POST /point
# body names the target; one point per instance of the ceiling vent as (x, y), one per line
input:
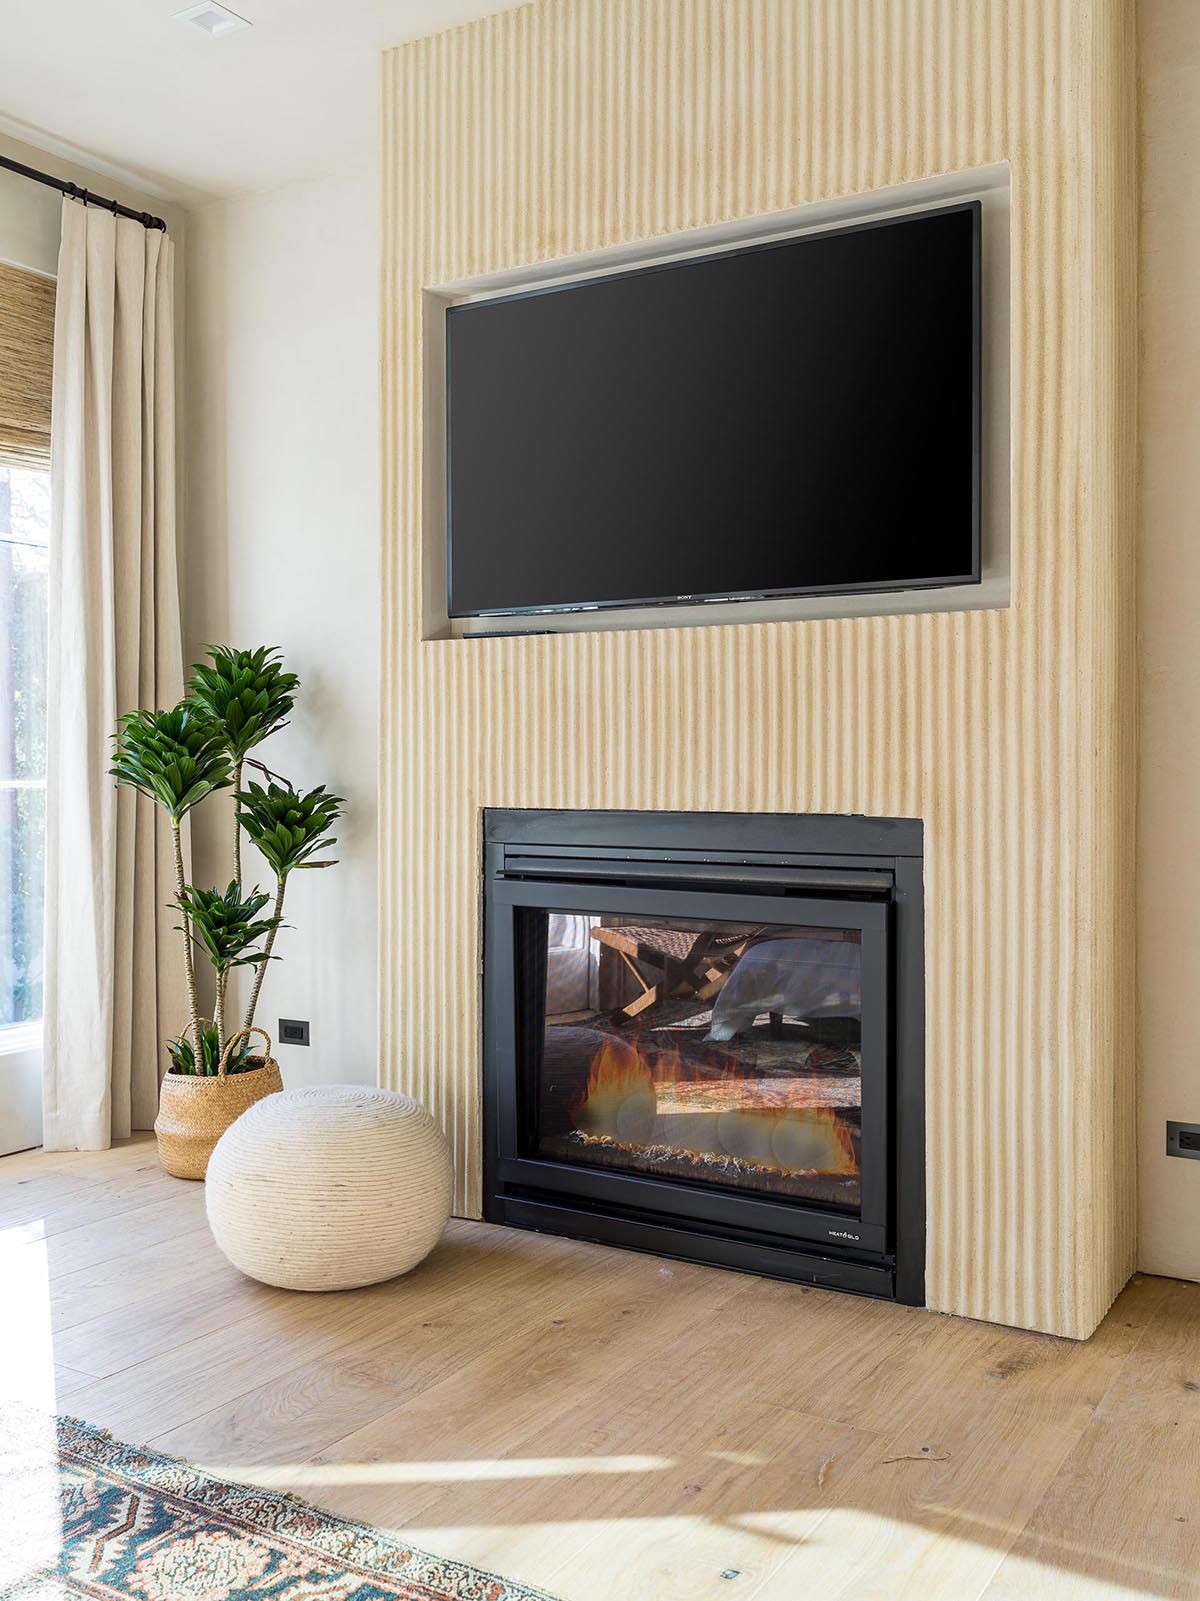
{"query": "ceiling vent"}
(212, 19)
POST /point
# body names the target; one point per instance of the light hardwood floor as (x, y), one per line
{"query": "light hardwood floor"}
(616, 1426)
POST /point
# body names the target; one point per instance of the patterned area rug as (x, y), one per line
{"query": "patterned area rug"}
(83, 1515)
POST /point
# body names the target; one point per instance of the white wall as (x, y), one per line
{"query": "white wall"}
(282, 547)
(1169, 633)
(29, 223)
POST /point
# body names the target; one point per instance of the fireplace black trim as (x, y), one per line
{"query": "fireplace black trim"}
(741, 1252)
(876, 864)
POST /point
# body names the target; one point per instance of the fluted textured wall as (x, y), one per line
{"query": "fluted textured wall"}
(567, 125)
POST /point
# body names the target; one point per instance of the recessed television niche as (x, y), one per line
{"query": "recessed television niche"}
(796, 417)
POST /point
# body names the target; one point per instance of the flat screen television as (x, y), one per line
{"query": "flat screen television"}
(799, 417)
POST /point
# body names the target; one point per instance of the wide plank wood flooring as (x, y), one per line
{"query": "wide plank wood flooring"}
(615, 1427)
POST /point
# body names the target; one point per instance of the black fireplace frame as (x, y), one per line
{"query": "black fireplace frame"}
(844, 870)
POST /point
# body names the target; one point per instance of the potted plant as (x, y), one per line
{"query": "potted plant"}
(178, 758)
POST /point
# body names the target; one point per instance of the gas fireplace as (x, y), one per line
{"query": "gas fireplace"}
(703, 1037)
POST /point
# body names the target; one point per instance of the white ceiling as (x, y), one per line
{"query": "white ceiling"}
(126, 82)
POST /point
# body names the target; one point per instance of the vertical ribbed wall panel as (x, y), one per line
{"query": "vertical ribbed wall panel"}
(568, 125)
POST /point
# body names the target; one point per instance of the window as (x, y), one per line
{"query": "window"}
(24, 538)
(26, 368)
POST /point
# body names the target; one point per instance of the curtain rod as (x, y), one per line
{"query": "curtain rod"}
(88, 196)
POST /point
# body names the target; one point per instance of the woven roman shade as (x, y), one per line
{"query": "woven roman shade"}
(26, 365)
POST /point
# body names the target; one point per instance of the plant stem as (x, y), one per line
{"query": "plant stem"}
(281, 885)
(237, 824)
(188, 968)
(219, 1010)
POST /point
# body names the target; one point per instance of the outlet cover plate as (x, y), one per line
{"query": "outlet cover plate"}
(293, 1031)
(1183, 1139)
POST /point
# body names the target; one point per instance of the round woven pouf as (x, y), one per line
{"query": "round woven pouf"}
(329, 1187)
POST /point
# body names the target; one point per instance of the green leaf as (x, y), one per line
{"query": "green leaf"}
(225, 926)
(174, 757)
(183, 1058)
(287, 825)
(246, 693)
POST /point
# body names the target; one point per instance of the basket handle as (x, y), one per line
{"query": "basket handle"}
(241, 1034)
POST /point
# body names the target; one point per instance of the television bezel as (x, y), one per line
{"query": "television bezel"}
(709, 598)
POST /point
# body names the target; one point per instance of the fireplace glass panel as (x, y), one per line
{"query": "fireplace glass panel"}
(714, 1053)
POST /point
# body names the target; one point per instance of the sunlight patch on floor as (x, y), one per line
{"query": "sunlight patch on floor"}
(697, 1555)
(1052, 1581)
(29, 1510)
(773, 1555)
(27, 1340)
(462, 1471)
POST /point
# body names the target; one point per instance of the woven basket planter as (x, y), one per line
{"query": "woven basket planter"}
(194, 1111)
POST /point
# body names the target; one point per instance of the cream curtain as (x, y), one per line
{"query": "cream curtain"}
(113, 988)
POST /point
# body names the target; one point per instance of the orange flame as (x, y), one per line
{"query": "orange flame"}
(628, 1089)
(621, 1100)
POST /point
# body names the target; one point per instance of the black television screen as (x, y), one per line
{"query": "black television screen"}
(789, 418)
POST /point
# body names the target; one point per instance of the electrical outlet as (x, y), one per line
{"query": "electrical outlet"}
(1183, 1139)
(292, 1031)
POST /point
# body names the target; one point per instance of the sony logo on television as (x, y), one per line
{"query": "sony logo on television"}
(842, 1234)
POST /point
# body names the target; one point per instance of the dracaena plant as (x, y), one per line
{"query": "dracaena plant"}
(229, 930)
(289, 826)
(183, 1056)
(248, 695)
(177, 758)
